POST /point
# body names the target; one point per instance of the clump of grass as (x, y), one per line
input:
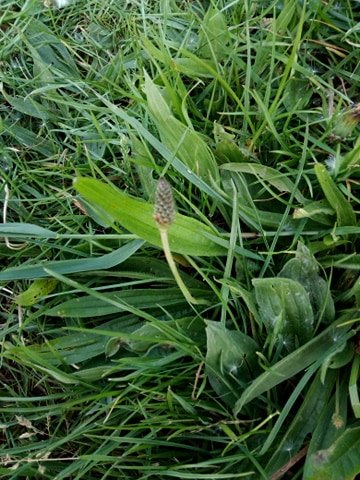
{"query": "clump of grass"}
(111, 366)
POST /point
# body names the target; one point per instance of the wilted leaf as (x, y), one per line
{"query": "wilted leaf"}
(37, 290)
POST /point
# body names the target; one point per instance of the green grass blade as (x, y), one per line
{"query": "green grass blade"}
(268, 174)
(21, 230)
(344, 212)
(88, 306)
(102, 262)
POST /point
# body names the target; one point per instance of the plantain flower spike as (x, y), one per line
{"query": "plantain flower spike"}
(164, 204)
(164, 216)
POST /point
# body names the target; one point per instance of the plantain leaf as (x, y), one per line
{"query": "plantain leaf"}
(319, 211)
(311, 407)
(183, 140)
(195, 67)
(231, 360)
(341, 260)
(214, 36)
(28, 106)
(186, 235)
(339, 461)
(305, 270)
(285, 309)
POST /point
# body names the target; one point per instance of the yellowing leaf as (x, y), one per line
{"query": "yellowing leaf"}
(37, 290)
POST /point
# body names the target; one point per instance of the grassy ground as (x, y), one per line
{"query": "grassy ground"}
(248, 109)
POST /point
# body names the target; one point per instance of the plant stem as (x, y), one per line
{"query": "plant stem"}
(165, 243)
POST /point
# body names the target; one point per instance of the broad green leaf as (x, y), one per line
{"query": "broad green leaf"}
(165, 152)
(102, 262)
(305, 270)
(257, 218)
(99, 372)
(279, 25)
(85, 344)
(89, 306)
(331, 420)
(227, 149)
(249, 211)
(112, 346)
(316, 349)
(344, 212)
(186, 144)
(340, 461)
(37, 290)
(297, 94)
(231, 360)
(180, 400)
(270, 175)
(285, 309)
(73, 348)
(284, 18)
(247, 297)
(28, 106)
(194, 67)
(82, 345)
(51, 50)
(186, 235)
(214, 36)
(337, 359)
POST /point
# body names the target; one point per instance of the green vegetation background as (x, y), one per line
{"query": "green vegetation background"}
(249, 110)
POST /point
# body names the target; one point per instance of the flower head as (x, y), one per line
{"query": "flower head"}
(164, 203)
